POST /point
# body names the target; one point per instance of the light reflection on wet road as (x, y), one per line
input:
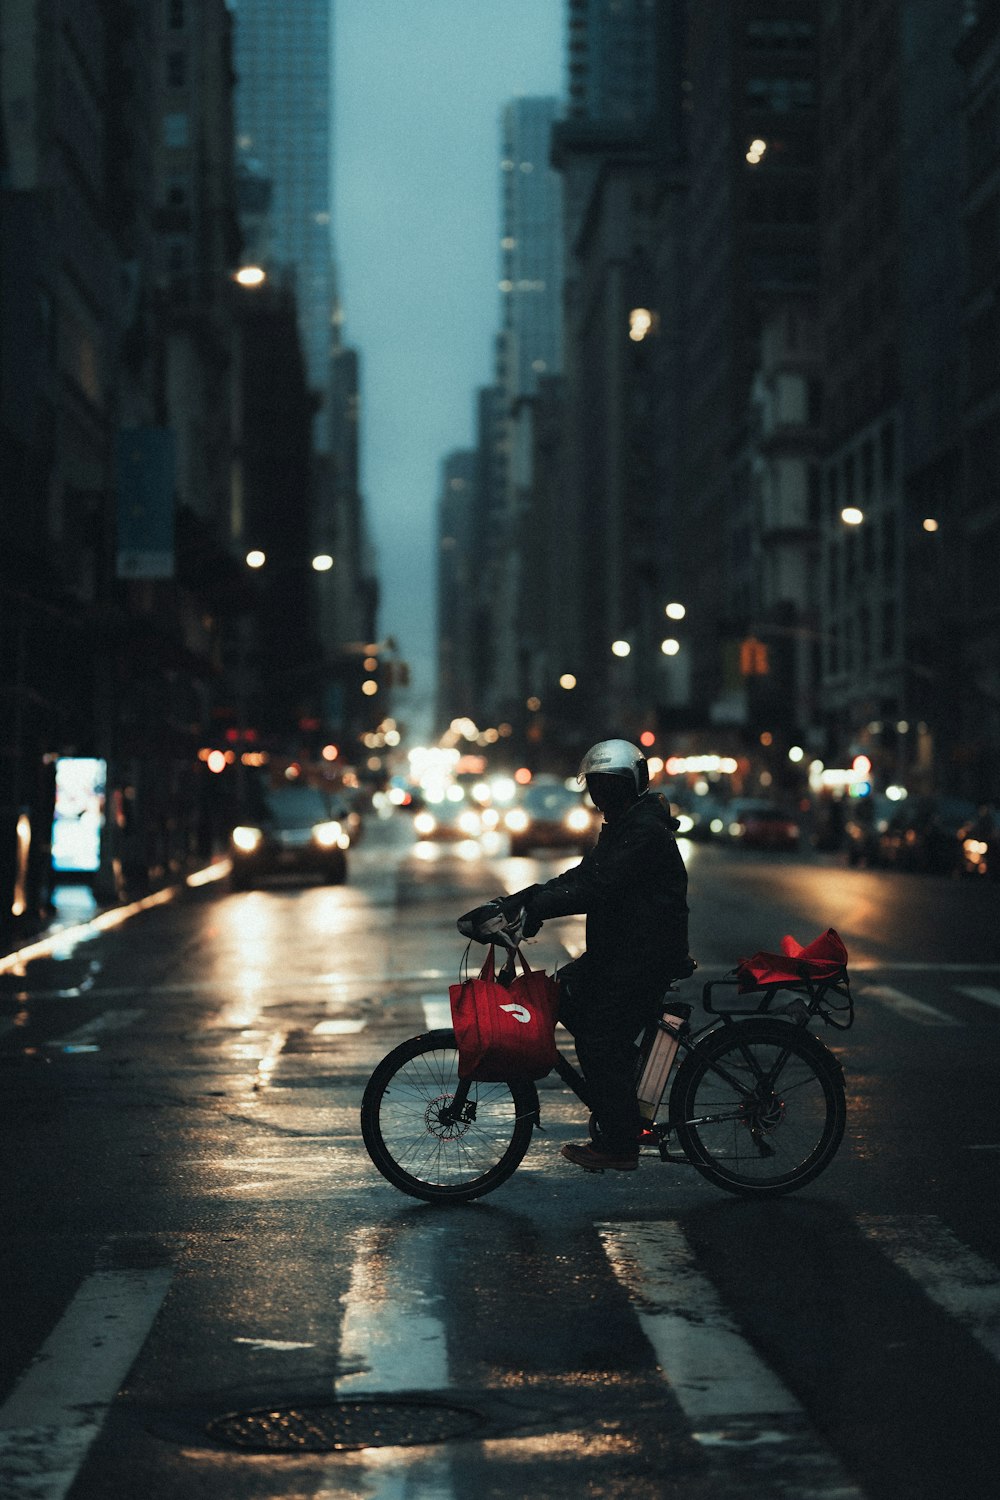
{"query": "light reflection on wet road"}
(181, 1093)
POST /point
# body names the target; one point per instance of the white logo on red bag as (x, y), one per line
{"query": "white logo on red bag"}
(519, 1012)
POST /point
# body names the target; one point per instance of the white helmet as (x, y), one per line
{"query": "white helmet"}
(615, 758)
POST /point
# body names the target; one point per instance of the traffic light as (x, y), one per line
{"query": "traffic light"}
(753, 658)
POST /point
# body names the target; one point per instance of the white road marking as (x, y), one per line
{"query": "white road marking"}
(982, 992)
(392, 1335)
(108, 1021)
(731, 1396)
(391, 1331)
(339, 1028)
(437, 1012)
(281, 1345)
(965, 1284)
(58, 1407)
(906, 1006)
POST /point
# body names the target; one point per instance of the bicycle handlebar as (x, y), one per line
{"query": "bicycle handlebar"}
(489, 924)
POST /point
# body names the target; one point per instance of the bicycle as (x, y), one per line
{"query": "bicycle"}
(757, 1102)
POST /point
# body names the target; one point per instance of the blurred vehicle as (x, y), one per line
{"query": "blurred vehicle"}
(448, 821)
(292, 828)
(756, 824)
(550, 815)
(700, 818)
(865, 820)
(923, 834)
(979, 842)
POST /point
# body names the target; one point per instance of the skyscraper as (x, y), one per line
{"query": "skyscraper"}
(284, 68)
(531, 246)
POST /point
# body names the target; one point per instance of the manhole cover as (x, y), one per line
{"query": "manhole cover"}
(325, 1427)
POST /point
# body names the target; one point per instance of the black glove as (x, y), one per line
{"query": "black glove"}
(532, 923)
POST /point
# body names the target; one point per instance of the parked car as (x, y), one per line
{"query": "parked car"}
(550, 815)
(923, 834)
(292, 828)
(756, 824)
(979, 842)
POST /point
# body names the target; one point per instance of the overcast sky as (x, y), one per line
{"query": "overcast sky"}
(418, 87)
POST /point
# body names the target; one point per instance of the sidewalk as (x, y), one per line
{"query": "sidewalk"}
(76, 912)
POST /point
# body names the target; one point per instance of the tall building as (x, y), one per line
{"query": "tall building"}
(284, 69)
(979, 714)
(531, 247)
(891, 299)
(604, 152)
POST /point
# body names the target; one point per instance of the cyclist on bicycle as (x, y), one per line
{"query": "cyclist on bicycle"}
(633, 888)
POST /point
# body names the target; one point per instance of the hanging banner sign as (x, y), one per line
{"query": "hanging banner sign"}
(145, 503)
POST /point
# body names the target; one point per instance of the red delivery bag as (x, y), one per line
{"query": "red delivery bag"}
(825, 958)
(505, 1031)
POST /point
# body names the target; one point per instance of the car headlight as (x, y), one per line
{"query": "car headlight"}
(246, 840)
(578, 819)
(685, 823)
(425, 823)
(327, 835)
(517, 821)
(469, 823)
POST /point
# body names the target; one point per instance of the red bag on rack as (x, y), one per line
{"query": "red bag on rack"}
(824, 958)
(505, 1031)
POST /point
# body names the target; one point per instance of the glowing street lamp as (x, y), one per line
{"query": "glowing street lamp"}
(256, 558)
(851, 516)
(675, 611)
(621, 648)
(250, 276)
(323, 563)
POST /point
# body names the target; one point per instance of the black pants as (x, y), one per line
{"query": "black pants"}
(605, 1017)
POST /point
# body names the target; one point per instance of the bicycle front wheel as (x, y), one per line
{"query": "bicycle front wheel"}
(759, 1107)
(420, 1147)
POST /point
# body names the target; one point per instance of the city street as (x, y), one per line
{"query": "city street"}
(200, 1259)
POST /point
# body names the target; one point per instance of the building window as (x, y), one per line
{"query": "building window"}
(889, 629)
(176, 70)
(782, 95)
(867, 471)
(175, 131)
(888, 444)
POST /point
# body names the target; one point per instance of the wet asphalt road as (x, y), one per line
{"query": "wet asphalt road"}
(191, 1228)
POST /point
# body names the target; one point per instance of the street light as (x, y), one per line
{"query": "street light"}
(621, 648)
(851, 516)
(256, 558)
(675, 611)
(250, 276)
(670, 647)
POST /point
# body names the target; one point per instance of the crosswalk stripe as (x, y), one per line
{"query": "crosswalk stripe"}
(56, 1410)
(107, 1021)
(982, 992)
(907, 1006)
(958, 1280)
(437, 1012)
(344, 1027)
(730, 1395)
(392, 1339)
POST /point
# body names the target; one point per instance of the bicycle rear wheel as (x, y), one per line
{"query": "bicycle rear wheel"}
(759, 1107)
(418, 1148)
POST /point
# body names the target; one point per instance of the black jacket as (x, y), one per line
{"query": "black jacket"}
(633, 888)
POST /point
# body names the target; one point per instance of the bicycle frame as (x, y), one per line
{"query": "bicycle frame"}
(811, 999)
